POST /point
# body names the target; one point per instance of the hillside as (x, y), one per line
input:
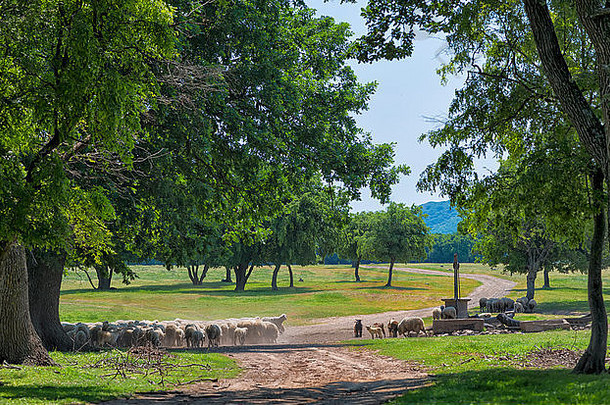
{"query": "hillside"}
(441, 217)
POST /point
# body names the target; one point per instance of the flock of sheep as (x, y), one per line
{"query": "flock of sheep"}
(415, 324)
(176, 333)
(194, 334)
(403, 328)
(504, 304)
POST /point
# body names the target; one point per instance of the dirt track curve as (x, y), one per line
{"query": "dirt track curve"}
(308, 365)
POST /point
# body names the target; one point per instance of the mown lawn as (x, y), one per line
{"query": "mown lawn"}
(100, 376)
(325, 291)
(493, 369)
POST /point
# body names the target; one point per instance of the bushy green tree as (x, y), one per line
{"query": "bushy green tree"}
(397, 234)
(532, 65)
(353, 239)
(75, 80)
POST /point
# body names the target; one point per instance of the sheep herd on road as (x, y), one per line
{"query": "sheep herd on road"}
(176, 333)
(395, 328)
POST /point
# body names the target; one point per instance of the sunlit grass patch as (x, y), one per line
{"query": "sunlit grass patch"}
(324, 291)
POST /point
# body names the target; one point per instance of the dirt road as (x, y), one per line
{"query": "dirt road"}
(309, 366)
(340, 328)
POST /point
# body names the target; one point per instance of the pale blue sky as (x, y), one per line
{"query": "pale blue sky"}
(408, 95)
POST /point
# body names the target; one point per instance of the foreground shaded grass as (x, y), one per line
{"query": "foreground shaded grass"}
(483, 370)
(510, 386)
(76, 381)
(325, 291)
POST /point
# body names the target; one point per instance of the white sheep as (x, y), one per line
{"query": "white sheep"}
(436, 313)
(277, 320)
(172, 335)
(408, 325)
(270, 332)
(239, 335)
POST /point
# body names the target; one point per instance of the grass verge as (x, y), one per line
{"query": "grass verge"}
(498, 369)
(101, 376)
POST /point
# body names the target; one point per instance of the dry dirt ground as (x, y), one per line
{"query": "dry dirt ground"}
(308, 365)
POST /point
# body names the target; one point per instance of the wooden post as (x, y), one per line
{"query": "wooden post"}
(456, 277)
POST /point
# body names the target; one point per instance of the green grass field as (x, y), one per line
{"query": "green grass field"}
(465, 370)
(324, 292)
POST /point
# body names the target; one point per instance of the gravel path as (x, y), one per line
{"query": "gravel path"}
(309, 366)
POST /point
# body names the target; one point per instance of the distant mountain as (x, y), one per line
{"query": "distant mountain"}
(441, 217)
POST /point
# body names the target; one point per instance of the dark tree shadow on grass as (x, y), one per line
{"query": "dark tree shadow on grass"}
(214, 289)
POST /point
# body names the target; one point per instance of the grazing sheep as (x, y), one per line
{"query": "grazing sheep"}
(277, 320)
(518, 308)
(415, 324)
(507, 304)
(483, 304)
(523, 301)
(493, 305)
(358, 328)
(380, 326)
(374, 331)
(213, 333)
(129, 337)
(239, 335)
(197, 339)
(107, 338)
(227, 330)
(270, 332)
(80, 339)
(172, 335)
(531, 304)
(153, 337)
(393, 328)
(189, 334)
(449, 313)
(436, 313)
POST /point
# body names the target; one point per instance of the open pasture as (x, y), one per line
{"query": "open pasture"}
(324, 292)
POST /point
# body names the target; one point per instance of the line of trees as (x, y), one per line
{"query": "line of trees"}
(536, 94)
(135, 127)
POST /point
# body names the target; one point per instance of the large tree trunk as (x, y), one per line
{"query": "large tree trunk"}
(45, 272)
(547, 281)
(356, 269)
(227, 278)
(291, 276)
(589, 128)
(19, 343)
(531, 282)
(276, 270)
(242, 273)
(104, 276)
(389, 283)
(593, 360)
